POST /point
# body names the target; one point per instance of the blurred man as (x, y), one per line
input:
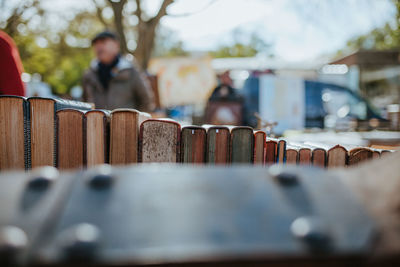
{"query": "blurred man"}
(10, 67)
(112, 81)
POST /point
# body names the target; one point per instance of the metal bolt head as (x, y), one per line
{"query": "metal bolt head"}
(12, 241)
(43, 177)
(101, 177)
(284, 177)
(312, 232)
(80, 242)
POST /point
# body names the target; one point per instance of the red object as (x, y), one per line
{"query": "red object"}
(10, 67)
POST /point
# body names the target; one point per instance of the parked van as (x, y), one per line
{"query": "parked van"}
(297, 104)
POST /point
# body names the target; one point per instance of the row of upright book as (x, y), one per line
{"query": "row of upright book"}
(67, 134)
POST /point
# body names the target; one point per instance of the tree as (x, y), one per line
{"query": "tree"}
(384, 38)
(145, 29)
(240, 48)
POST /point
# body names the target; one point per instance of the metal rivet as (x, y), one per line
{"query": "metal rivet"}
(43, 177)
(282, 176)
(102, 177)
(12, 240)
(312, 232)
(80, 241)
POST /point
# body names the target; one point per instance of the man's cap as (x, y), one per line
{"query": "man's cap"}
(104, 35)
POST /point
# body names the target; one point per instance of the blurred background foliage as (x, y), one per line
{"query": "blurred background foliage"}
(61, 53)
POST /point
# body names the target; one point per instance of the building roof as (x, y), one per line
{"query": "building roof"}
(371, 58)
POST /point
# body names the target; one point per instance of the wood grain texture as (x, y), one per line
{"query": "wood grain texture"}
(124, 136)
(242, 145)
(70, 139)
(259, 147)
(218, 139)
(96, 137)
(319, 157)
(42, 114)
(337, 157)
(193, 144)
(12, 148)
(159, 141)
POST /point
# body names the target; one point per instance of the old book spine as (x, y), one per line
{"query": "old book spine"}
(281, 152)
(27, 135)
(106, 123)
(270, 151)
(337, 157)
(159, 141)
(259, 147)
(124, 136)
(357, 155)
(319, 157)
(242, 145)
(193, 144)
(218, 142)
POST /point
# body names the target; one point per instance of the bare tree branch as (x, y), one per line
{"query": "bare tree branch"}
(99, 13)
(161, 12)
(138, 11)
(210, 3)
(118, 7)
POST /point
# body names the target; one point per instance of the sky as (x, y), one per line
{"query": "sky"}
(297, 29)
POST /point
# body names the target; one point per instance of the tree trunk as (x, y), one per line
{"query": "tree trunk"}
(145, 44)
(118, 22)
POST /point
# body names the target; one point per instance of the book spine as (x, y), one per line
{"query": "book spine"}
(281, 157)
(106, 127)
(27, 135)
(84, 141)
(55, 143)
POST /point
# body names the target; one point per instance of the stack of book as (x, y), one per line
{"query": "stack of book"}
(69, 135)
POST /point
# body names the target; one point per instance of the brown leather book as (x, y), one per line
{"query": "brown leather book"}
(42, 113)
(359, 154)
(319, 157)
(259, 147)
(13, 133)
(159, 141)
(337, 157)
(242, 144)
(305, 156)
(270, 151)
(218, 140)
(124, 135)
(281, 152)
(70, 125)
(97, 137)
(292, 154)
(193, 144)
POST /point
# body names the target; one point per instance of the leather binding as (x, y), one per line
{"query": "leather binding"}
(242, 145)
(319, 157)
(27, 135)
(259, 147)
(193, 144)
(281, 149)
(218, 142)
(270, 151)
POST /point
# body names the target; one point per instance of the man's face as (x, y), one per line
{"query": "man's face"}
(106, 50)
